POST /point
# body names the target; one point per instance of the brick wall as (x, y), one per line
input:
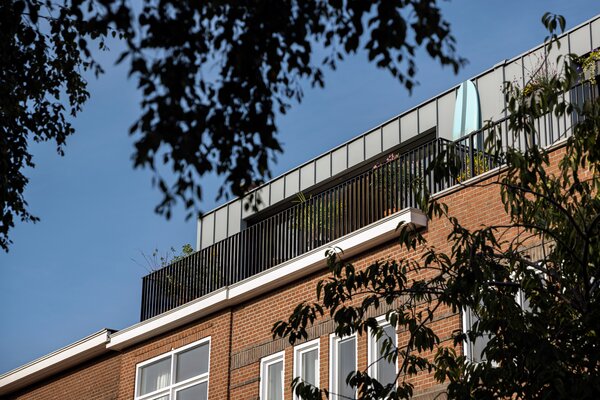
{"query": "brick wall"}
(96, 379)
(252, 338)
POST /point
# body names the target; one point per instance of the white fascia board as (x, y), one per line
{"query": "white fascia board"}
(59, 360)
(351, 244)
(169, 320)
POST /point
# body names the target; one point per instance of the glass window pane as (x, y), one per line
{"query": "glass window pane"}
(155, 376)
(192, 362)
(476, 348)
(524, 302)
(275, 381)
(308, 370)
(196, 392)
(346, 365)
(386, 370)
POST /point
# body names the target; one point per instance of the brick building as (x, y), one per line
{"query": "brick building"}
(206, 320)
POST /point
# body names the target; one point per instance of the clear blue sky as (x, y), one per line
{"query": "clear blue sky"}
(79, 269)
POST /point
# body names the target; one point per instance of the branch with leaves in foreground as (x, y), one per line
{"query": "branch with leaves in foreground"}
(214, 76)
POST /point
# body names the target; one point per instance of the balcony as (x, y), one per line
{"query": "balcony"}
(310, 222)
(313, 221)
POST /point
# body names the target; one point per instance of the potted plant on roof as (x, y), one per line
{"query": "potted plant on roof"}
(385, 176)
(394, 180)
(315, 218)
(481, 164)
(589, 65)
(539, 81)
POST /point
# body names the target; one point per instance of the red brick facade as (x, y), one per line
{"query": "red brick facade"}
(241, 336)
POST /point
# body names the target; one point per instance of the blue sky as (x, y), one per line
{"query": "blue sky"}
(79, 269)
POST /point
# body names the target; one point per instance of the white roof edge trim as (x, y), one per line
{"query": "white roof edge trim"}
(65, 357)
(351, 244)
(405, 112)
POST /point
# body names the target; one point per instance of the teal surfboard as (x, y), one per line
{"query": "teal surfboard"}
(467, 113)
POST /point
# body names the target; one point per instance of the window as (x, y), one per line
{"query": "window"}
(271, 377)
(342, 364)
(179, 375)
(306, 363)
(381, 368)
(473, 349)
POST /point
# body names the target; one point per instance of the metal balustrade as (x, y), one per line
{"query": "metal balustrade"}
(313, 221)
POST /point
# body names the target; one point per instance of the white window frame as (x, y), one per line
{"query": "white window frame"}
(303, 348)
(372, 351)
(334, 340)
(173, 386)
(467, 345)
(264, 364)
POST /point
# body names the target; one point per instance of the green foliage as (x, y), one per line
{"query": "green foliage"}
(395, 178)
(44, 50)
(547, 350)
(481, 164)
(158, 260)
(213, 74)
(186, 250)
(388, 177)
(227, 124)
(315, 214)
(588, 65)
(539, 80)
(177, 291)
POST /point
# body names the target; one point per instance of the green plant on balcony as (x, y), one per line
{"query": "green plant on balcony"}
(386, 179)
(207, 270)
(158, 260)
(394, 179)
(480, 165)
(317, 217)
(174, 289)
(588, 65)
(539, 81)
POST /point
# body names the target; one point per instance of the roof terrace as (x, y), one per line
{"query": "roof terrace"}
(356, 184)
